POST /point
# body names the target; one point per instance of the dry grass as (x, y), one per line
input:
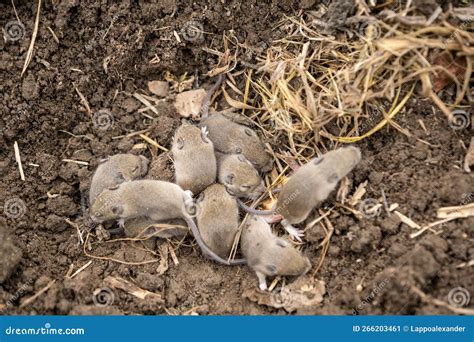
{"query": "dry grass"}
(314, 90)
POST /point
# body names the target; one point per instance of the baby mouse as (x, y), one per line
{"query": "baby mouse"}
(217, 219)
(238, 175)
(310, 185)
(230, 137)
(194, 159)
(269, 255)
(114, 170)
(156, 200)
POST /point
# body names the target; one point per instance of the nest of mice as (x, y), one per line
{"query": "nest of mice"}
(218, 161)
(302, 100)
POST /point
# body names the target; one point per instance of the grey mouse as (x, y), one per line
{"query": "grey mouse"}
(238, 175)
(156, 200)
(230, 137)
(269, 255)
(114, 170)
(309, 186)
(217, 219)
(194, 159)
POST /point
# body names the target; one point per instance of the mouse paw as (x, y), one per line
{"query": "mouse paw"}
(262, 281)
(121, 222)
(204, 131)
(295, 233)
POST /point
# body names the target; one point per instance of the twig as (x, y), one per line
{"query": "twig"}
(83, 101)
(80, 269)
(35, 296)
(18, 160)
(29, 54)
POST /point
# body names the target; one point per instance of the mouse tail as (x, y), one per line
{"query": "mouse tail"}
(253, 211)
(206, 103)
(205, 248)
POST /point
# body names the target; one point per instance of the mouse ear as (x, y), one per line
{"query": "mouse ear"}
(271, 269)
(144, 162)
(333, 178)
(117, 209)
(201, 197)
(119, 177)
(229, 178)
(229, 191)
(241, 157)
(318, 160)
(180, 143)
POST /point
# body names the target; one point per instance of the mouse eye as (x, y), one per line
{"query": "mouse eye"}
(180, 143)
(256, 172)
(318, 160)
(238, 150)
(135, 169)
(229, 179)
(248, 131)
(245, 188)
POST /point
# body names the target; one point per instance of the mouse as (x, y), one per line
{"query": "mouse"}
(238, 175)
(309, 186)
(194, 159)
(230, 137)
(154, 199)
(268, 255)
(116, 169)
(217, 219)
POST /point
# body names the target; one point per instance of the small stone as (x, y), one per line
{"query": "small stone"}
(189, 103)
(10, 255)
(159, 88)
(29, 88)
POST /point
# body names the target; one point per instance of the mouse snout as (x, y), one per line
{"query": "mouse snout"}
(307, 265)
(268, 166)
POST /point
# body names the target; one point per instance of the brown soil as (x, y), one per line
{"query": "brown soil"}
(43, 113)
